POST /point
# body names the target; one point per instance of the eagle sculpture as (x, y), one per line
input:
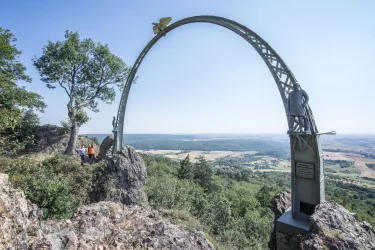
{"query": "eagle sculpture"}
(161, 25)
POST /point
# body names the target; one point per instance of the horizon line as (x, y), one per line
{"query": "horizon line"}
(225, 133)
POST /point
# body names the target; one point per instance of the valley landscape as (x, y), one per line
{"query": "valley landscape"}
(346, 157)
(64, 80)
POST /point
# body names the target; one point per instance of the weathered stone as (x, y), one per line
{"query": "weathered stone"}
(279, 205)
(123, 179)
(103, 225)
(331, 227)
(53, 139)
(105, 146)
(334, 227)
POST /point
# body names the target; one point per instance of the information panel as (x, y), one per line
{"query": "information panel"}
(305, 170)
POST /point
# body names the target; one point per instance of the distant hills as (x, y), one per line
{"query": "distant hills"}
(204, 142)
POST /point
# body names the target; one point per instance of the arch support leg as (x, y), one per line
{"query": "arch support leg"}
(307, 176)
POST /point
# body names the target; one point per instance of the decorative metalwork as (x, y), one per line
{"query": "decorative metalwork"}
(282, 75)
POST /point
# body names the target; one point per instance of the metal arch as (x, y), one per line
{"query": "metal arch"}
(282, 75)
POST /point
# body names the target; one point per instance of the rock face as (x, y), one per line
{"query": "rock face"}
(279, 205)
(122, 180)
(334, 227)
(105, 146)
(331, 227)
(52, 139)
(108, 225)
(18, 217)
(103, 225)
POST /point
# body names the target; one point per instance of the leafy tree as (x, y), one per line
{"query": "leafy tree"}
(86, 71)
(246, 174)
(186, 169)
(11, 70)
(264, 196)
(17, 119)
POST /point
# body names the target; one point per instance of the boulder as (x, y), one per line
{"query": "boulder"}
(54, 139)
(106, 145)
(122, 180)
(331, 227)
(18, 217)
(334, 227)
(280, 203)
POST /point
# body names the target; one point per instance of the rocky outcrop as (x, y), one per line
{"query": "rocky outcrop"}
(122, 180)
(108, 225)
(18, 217)
(103, 225)
(106, 145)
(334, 227)
(51, 139)
(331, 227)
(279, 205)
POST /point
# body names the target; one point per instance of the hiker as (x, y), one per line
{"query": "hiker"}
(81, 152)
(91, 152)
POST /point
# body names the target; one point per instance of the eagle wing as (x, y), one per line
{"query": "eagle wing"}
(155, 29)
(164, 22)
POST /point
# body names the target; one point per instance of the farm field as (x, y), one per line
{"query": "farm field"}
(345, 156)
(209, 155)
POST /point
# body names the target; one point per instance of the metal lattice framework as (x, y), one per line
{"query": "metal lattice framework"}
(283, 76)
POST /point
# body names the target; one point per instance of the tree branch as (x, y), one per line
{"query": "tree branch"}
(66, 90)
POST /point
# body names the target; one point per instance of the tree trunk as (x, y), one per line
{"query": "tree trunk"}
(72, 111)
(72, 140)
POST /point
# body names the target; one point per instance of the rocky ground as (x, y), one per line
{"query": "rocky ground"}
(119, 222)
(332, 227)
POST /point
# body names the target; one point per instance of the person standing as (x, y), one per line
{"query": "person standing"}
(81, 152)
(91, 152)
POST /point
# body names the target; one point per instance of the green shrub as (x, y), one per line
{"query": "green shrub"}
(58, 184)
(229, 211)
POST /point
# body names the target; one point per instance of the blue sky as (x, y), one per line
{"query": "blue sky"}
(202, 78)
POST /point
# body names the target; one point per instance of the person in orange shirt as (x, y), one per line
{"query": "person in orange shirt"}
(91, 152)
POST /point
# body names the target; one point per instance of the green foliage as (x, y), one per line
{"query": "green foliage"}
(235, 211)
(17, 105)
(58, 184)
(342, 163)
(186, 170)
(227, 209)
(11, 70)
(264, 196)
(371, 165)
(81, 118)
(93, 139)
(86, 71)
(360, 200)
(202, 173)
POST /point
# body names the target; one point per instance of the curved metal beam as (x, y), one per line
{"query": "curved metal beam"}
(282, 75)
(306, 153)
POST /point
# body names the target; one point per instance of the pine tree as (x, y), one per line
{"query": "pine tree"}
(203, 172)
(186, 169)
